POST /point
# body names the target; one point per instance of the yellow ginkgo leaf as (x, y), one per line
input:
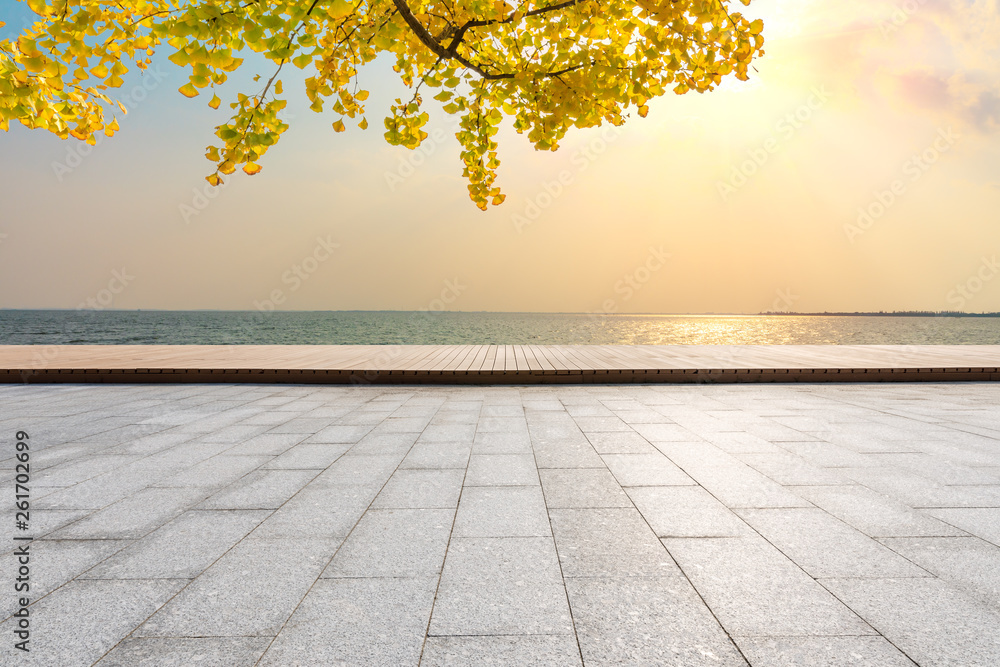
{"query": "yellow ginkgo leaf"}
(339, 9)
(215, 102)
(251, 168)
(339, 126)
(278, 88)
(187, 90)
(214, 179)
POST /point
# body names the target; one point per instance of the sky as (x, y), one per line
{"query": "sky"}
(856, 171)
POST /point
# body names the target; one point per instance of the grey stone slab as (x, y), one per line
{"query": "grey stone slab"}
(582, 488)
(261, 489)
(919, 491)
(824, 546)
(594, 409)
(181, 549)
(464, 433)
(826, 454)
(608, 542)
(573, 451)
(874, 514)
(646, 621)
(502, 511)
(384, 443)
(620, 442)
(368, 471)
(640, 416)
(187, 651)
(437, 456)
(43, 522)
(250, 592)
(215, 473)
(318, 511)
(788, 470)
(983, 522)
(501, 470)
(602, 424)
(645, 470)
(184, 455)
(503, 411)
(83, 620)
(80, 469)
(686, 511)
(967, 562)
(234, 433)
(822, 652)
(739, 442)
(928, 619)
(491, 424)
(356, 622)
(409, 425)
(54, 563)
(134, 516)
(733, 482)
(756, 591)
(501, 586)
(394, 543)
(502, 651)
(664, 432)
(267, 444)
(502, 443)
(101, 491)
(421, 489)
(307, 457)
(346, 434)
(937, 468)
(302, 425)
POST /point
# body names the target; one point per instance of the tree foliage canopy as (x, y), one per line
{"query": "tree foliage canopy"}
(548, 64)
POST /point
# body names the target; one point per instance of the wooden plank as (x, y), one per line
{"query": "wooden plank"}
(510, 360)
(490, 359)
(500, 359)
(537, 352)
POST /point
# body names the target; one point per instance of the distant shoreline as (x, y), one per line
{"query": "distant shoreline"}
(901, 313)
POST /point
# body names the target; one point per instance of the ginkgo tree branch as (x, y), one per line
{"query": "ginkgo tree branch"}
(546, 65)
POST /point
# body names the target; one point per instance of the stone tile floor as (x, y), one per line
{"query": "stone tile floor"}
(820, 525)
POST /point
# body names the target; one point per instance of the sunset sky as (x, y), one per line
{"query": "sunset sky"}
(746, 199)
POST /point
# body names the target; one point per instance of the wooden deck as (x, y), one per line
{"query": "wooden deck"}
(496, 364)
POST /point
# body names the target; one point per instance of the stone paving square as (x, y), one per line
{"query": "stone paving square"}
(282, 525)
